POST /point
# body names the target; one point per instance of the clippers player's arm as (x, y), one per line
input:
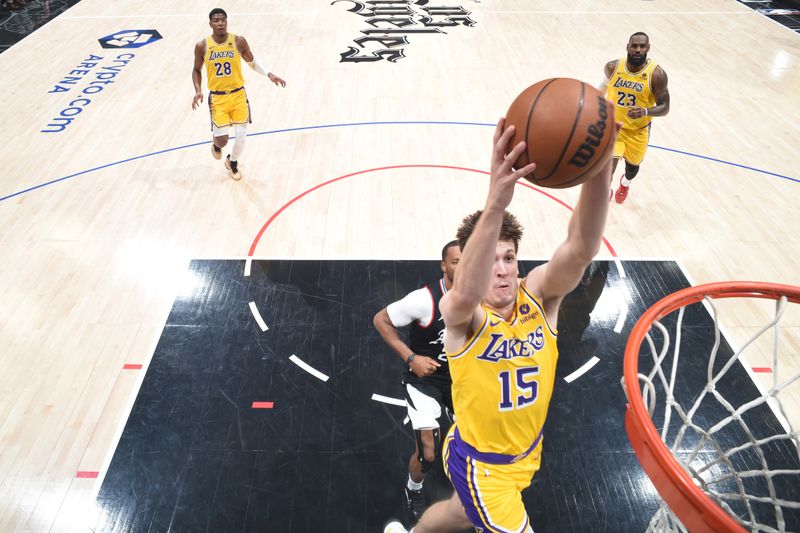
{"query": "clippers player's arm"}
(460, 307)
(197, 73)
(247, 55)
(556, 278)
(404, 312)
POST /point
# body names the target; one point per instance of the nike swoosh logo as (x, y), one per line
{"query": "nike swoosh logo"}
(493, 324)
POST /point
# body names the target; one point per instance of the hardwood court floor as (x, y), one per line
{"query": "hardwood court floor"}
(100, 219)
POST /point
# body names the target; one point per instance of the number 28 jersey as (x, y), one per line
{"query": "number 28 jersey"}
(503, 378)
(223, 65)
(628, 89)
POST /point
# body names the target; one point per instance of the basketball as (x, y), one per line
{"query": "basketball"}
(568, 127)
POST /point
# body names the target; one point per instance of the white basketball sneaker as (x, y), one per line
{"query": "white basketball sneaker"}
(216, 151)
(394, 527)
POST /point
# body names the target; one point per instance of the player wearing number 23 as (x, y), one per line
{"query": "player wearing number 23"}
(638, 87)
(500, 340)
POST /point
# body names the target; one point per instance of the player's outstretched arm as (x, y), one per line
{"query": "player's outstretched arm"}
(556, 278)
(474, 271)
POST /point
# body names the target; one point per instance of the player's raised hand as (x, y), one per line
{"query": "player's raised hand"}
(504, 177)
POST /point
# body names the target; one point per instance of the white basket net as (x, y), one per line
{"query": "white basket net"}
(744, 454)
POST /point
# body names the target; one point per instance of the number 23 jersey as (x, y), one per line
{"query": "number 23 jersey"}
(628, 90)
(503, 378)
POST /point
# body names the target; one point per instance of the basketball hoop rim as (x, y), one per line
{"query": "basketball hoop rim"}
(687, 500)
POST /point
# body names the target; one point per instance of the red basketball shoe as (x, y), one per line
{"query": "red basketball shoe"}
(622, 193)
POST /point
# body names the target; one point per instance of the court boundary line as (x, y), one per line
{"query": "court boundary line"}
(351, 124)
(523, 12)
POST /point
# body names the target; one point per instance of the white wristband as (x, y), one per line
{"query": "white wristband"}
(257, 67)
(645, 111)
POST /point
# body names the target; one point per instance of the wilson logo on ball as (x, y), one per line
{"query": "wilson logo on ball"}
(594, 135)
(567, 129)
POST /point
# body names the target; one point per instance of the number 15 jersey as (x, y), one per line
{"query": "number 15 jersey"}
(223, 65)
(503, 379)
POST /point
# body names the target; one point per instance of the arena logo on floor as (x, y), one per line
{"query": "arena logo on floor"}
(393, 22)
(95, 73)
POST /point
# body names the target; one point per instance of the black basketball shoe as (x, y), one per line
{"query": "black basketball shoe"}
(415, 503)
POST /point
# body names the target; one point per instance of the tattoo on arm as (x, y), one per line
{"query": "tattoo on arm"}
(660, 90)
(609, 68)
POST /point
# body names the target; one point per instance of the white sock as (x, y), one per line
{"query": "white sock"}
(238, 145)
(413, 485)
(625, 181)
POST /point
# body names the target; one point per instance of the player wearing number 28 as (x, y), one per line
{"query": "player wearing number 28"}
(222, 54)
(500, 340)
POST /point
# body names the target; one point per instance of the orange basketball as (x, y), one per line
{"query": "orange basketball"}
(567, 125)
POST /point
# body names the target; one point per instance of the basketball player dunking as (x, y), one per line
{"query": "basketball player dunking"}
(501, 344)
(222, 53)
(638, 87)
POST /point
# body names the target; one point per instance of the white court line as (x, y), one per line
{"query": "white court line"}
(308, 368)
(642, 12)
(257, 316)
(333, 257)
(123, 419)
(198, 15)
(621, 270)
(247, 264)
(582, 370)
(623, 314)
(387, 399)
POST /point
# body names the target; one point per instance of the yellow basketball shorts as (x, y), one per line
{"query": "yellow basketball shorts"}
(491, 493)
(229, 109)
(631, 145)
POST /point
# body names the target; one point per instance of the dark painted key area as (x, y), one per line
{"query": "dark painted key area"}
(195, 455)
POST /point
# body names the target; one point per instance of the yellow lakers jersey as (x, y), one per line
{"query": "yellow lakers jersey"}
(632, 90)
(503, 379)
(223, 65)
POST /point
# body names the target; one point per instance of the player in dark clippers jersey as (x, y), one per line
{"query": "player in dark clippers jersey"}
(427, 382)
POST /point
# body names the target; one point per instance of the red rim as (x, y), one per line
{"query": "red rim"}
(696, 510)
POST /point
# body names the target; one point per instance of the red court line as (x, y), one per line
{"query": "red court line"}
(86, 474)
(394, 167)
(262, 405)
(540, 191)
(762, 369)
(131, 366)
